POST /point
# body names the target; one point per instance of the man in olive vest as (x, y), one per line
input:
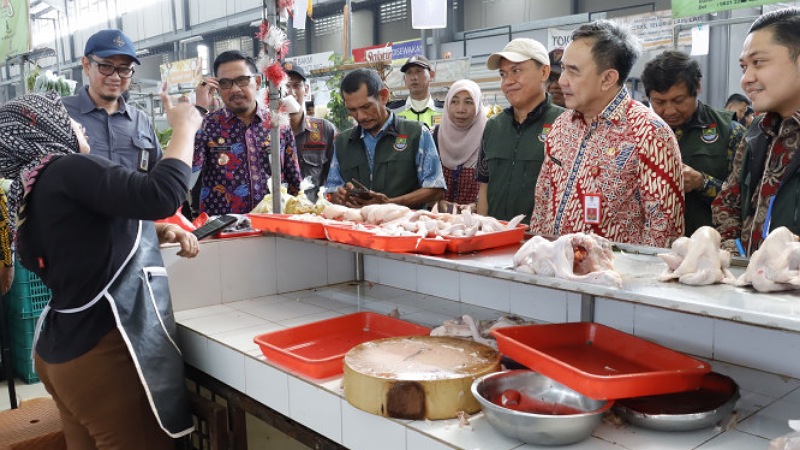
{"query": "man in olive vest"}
(419, 106)
(708, 138)
(512, 150)
(385, 159)
(762, 192)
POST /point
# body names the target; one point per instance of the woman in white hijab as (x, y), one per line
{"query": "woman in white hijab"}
(458, 139)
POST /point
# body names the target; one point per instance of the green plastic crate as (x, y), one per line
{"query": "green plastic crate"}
(22, 331)
(24, 303)
(28, 294)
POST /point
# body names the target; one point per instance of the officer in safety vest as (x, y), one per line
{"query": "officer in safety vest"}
(385, 159)
(313, 136)
(708, 138)
(419, 106)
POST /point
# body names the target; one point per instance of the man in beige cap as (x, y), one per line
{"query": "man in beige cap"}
(419, 106)
(512, 150)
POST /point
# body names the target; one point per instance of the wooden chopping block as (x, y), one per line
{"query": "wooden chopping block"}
(417, 377)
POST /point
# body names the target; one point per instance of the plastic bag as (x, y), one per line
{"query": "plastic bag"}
(265, 205)
(789, 441)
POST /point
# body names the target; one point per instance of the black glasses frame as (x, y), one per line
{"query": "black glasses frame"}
(109, 69)
(242, 81)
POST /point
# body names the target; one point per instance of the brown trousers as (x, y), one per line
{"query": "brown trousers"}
(102, 403)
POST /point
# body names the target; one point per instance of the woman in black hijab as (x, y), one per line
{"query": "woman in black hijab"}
(104, 345)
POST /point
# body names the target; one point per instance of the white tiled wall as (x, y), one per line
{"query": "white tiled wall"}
(538, 303)
(244, 268)
(682, 332)
(614, 313)
(267, 385)
(770, 350)
(196, 282)
(315, 408)
(248, 268)
(439, 282)
(365, 431)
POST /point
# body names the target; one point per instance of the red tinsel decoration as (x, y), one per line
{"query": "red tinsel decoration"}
(262, 30)
(275, 74)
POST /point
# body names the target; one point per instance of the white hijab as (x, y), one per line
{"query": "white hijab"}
(457, 145)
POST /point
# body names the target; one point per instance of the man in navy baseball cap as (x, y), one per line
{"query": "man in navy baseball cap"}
(116, 129)
(111, 42)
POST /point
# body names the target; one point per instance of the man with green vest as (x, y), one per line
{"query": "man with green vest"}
(512, 150)
(708, 138)
(385, 159)
(419, 106)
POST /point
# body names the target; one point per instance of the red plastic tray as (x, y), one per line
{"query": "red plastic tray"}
(346, 234)
(317, 349)
(283, 224)
(600, 362)
(431, 246)
(486, 241)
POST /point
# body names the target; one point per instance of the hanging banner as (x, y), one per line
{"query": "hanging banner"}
(15, 35)
(428, 14)
(655, 30)
(686, 8)
(406, 49)
(312, 61)
(389, 51)
(557, 38)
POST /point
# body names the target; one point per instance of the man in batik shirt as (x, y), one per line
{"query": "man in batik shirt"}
(612, 166)
(763, 190)
(232, 149)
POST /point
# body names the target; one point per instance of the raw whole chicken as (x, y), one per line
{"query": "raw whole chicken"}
(339, 212)
(698, 260)
(478, 331)
(775, 266)
(580, 257)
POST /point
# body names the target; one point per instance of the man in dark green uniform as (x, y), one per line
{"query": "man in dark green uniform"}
(394, 159)
(512, 150)
(708, 138)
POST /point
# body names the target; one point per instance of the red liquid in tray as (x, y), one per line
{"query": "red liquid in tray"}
(518, 401)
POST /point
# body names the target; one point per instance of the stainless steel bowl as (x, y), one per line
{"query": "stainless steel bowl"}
(683, 411)
(562, 416)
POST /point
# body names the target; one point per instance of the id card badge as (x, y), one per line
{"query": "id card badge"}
(143, 162)
(591, 208)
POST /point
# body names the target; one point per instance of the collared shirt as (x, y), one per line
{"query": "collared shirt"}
(628, 160)
(429, 167)
(126, 137)
(727, 207)
(315, 149)
(712, 185)
(430, 115)
(234, 160)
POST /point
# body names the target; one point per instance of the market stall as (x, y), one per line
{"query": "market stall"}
(271, 282)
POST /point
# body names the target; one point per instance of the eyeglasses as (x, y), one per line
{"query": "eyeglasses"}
(109, 69)
(242, 81)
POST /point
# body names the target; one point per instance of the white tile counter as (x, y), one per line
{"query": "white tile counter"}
(239, 288)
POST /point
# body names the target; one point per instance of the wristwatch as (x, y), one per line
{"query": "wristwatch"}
(203, 111)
